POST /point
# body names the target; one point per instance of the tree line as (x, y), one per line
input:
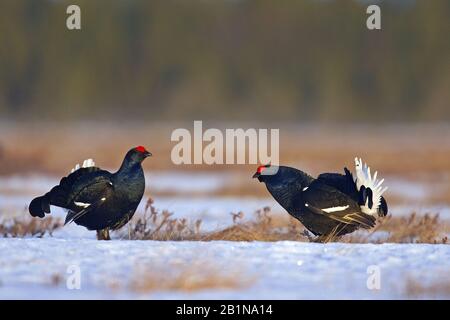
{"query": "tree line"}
(233, 60)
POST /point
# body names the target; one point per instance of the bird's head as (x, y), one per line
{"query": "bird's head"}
(138, 154)
(266, 172)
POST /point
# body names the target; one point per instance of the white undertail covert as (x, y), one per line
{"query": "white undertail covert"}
(364, 178)
(86, 164)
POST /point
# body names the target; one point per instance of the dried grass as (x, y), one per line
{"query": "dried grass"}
(428, 228)
(265, 226)
(198, 275)
(26, 227)
(415, 229)
(155, 225)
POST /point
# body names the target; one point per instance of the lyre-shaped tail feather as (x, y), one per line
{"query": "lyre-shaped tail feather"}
(364, 178)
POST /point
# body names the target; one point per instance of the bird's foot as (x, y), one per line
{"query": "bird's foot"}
(103, 234)
(309, 235)
(324, 238)
(334, 235)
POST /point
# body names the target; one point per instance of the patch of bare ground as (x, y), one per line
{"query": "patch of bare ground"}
(29, 227)
(391, 150)
(195, 276)
(265, 226)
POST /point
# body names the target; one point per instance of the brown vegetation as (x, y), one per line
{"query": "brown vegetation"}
(161, 226)
(261, 226)
(269, 227)
(414, 228)
(155, 225)
(19, 228)
(197, 275)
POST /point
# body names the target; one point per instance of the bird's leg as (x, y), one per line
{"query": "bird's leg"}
(312, 238)
(324, 238)
(333, 235)
(99, 234)
(103, 234)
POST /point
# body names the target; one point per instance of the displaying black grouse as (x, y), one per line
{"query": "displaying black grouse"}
(97, 199)
(333, 204)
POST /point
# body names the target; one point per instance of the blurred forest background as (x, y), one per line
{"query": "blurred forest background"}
(304, 60)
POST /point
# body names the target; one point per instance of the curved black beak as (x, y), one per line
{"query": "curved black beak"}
(147, 154)
(256, 175)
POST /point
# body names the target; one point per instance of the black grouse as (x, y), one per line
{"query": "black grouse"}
(333, 204)
(97, 199)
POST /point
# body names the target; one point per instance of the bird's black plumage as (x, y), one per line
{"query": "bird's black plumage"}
(96, 198)
(327, 206)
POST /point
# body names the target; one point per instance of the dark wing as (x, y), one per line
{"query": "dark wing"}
(325, 200)
(89, 197)
(344, 183)
(61, 194)
(71, 185)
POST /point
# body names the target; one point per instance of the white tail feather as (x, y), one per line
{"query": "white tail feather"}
(86, 164)
(364, 178)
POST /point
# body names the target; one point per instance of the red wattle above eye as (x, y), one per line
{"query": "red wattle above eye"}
(140, 149)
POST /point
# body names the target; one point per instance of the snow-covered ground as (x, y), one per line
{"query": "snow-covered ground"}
(281, 270)
(34, 268)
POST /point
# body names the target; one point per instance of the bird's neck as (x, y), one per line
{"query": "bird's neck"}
(286, 189)
(129, 182)
(283, 194)
(129, 170)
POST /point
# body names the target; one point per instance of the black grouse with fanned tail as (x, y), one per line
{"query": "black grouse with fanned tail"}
(97, 199)
(330, 206)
